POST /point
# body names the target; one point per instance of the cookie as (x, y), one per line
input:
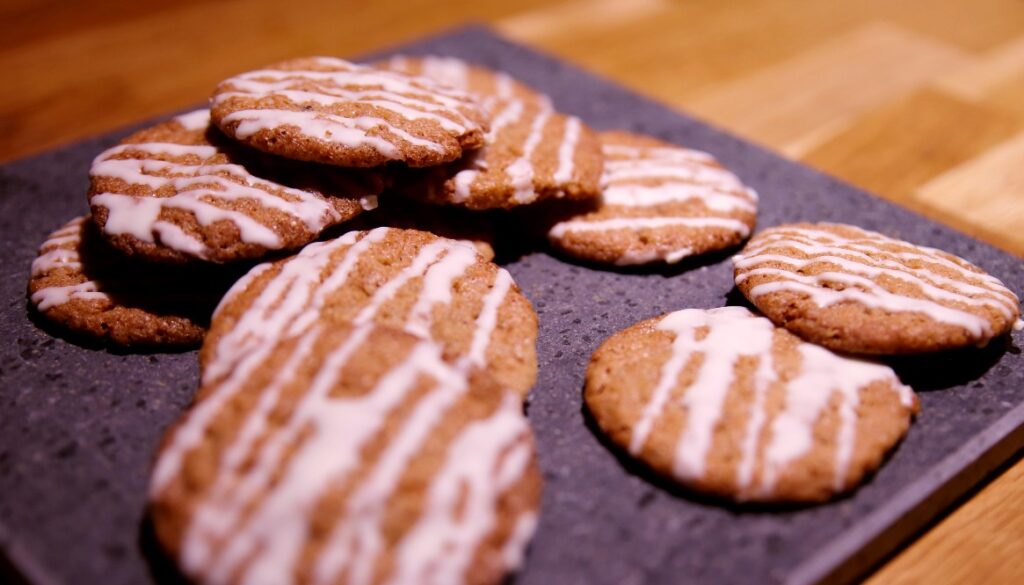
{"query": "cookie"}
(347, 454)
(532, 154)
(726, 404)
(405, 279)
(476, 227)
(81, 284)
(180, 191)
(862, 292)
(659, 203)
(331, 111)
(480, 81)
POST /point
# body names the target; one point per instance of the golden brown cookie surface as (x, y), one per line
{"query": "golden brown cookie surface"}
(432, 287)
(725, 403)
(659, 203)
(79, 282)
(331, 111)
(478, 228)
(859, 291)
(459, 74)
(532, 154)
(347, 454)
(180, 191)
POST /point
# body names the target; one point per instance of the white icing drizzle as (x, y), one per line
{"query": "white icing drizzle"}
(513, 553)
(447, 70)
(637, 223)
(640, 177)
(661, 152)
(567, 149)
(292, 301)
(634, 257)
(60, 250)
(52, 296)
(863, 264)
(456, 73)
(437, 549)
(484, 460)
(635, 195)
(520, 171)
(196, 120)
(511, 112)
(504, 85)
(729, 334)
(350, 132)
(55, 258)
(289, 305)
(200, 187)
(437, 287)
(488, 318)
(391, 93)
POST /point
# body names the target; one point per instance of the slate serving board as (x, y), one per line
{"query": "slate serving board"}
(79, 425)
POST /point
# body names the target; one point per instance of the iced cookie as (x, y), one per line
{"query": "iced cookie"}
(476, 227)
(180, 191)
(347, 455)
(532, 154)
(659, 203)
(727, 404)
(433, 287)
(331, 111)
(83, 285)
(475, 79)
(858, 291)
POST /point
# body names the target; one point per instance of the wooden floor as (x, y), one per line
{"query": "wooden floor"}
(920, 101)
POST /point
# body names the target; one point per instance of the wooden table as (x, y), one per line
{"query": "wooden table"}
(920, 101)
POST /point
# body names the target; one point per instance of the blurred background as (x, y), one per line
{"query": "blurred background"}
(920, 101)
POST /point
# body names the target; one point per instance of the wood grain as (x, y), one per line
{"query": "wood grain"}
(921, 101)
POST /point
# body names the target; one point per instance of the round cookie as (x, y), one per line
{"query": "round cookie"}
(85, 286)
(476, 227)
(862, 292)
(331, 111)
(727, 404)
(481, 81)
(659, 203)
(432, 287)
(347, 454)
(532, 154)
(180, 191)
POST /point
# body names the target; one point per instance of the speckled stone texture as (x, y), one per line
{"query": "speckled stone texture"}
(78, 426)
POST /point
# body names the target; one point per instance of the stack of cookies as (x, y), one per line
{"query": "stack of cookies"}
(359, 416)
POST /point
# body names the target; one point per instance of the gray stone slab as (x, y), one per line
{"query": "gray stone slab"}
(79, 425)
